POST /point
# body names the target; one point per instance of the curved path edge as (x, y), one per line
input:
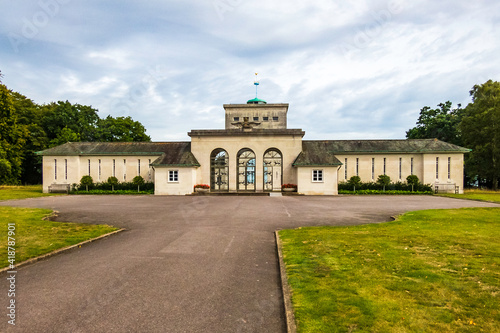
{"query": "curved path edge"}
(55, 252)
(291, 326)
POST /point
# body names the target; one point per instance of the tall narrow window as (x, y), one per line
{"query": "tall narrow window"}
(437, 167)
(99, 169)
(89, 167)
(400, 166)
(139, 167)
(373, 168)
(124, 170)
(357, 167)
(114, 168)
(411, 166)
(55, 169)
(449, 167)
(384, 164)
(345, 169)
(149, 169)
(65, 169)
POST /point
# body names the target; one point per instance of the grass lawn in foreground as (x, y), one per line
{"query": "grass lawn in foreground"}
(34, 236)
(481, 195)
(428, 271)
(23, 192)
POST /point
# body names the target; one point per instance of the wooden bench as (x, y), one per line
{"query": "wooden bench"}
(59, 188)
(446, 188)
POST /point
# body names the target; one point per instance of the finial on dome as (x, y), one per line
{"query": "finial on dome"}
(256, 100)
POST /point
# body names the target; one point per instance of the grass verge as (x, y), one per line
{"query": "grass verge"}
(34, 236)
(490, 196)
(23, 192)
(434, 270)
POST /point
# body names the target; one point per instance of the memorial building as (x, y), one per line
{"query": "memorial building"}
(255, 152)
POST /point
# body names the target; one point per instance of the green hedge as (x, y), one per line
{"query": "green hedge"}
(126, 186)
(392, 192)
(399, 186)
(112, 192)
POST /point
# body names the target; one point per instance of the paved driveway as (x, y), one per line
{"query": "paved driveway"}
(186, 264)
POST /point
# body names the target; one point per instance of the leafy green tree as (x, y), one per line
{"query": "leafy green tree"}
(28, 114)
(86, 181)
(383, 180)
(12, 139)
(123, 129)
(440, 123)
(112, 181)
(63, 118)
(480, 129)
(65, 135)
(354, 181)
(412, 180)
(138, 180)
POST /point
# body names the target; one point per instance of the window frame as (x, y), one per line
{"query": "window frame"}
(173, 176)
(449, 168)
(437, 167)
(317, 176)
(345, 168)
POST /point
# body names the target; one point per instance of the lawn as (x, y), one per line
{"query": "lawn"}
(34, 236)
(481, 195)
(22, 192)
(428, 271)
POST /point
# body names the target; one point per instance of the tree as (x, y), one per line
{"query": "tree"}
(440, 123)
(138, 180)
(383, 180)
(123, 129)
(28, 114)
(87, 181)
(112, 181)
(354, 181)
(412, 180)
(12, 138)
(61, 118)
(480, 129)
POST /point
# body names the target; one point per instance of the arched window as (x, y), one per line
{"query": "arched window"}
(219, 170)
(273, 170)
(246, 170)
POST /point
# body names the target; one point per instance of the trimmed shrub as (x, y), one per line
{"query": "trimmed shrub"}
(86, 181)
(112, 181)
(138, 180)
(384, 181)
(354, 181)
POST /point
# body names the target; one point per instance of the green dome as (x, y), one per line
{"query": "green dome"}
(256, 101)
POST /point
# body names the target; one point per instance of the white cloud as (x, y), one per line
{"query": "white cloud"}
(348, 70)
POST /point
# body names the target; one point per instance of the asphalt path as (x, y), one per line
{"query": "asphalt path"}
(185, 263)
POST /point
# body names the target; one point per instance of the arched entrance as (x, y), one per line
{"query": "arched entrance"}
(273, 170)
(246, 170)
(219, 170)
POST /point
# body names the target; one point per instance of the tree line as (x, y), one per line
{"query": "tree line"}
(477, 127)
(27, 127)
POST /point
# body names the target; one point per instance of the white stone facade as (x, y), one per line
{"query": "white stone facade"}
(256, 153)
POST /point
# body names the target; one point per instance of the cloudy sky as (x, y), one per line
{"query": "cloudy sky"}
(349, 70)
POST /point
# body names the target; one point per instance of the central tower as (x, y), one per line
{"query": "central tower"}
(257, 111)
